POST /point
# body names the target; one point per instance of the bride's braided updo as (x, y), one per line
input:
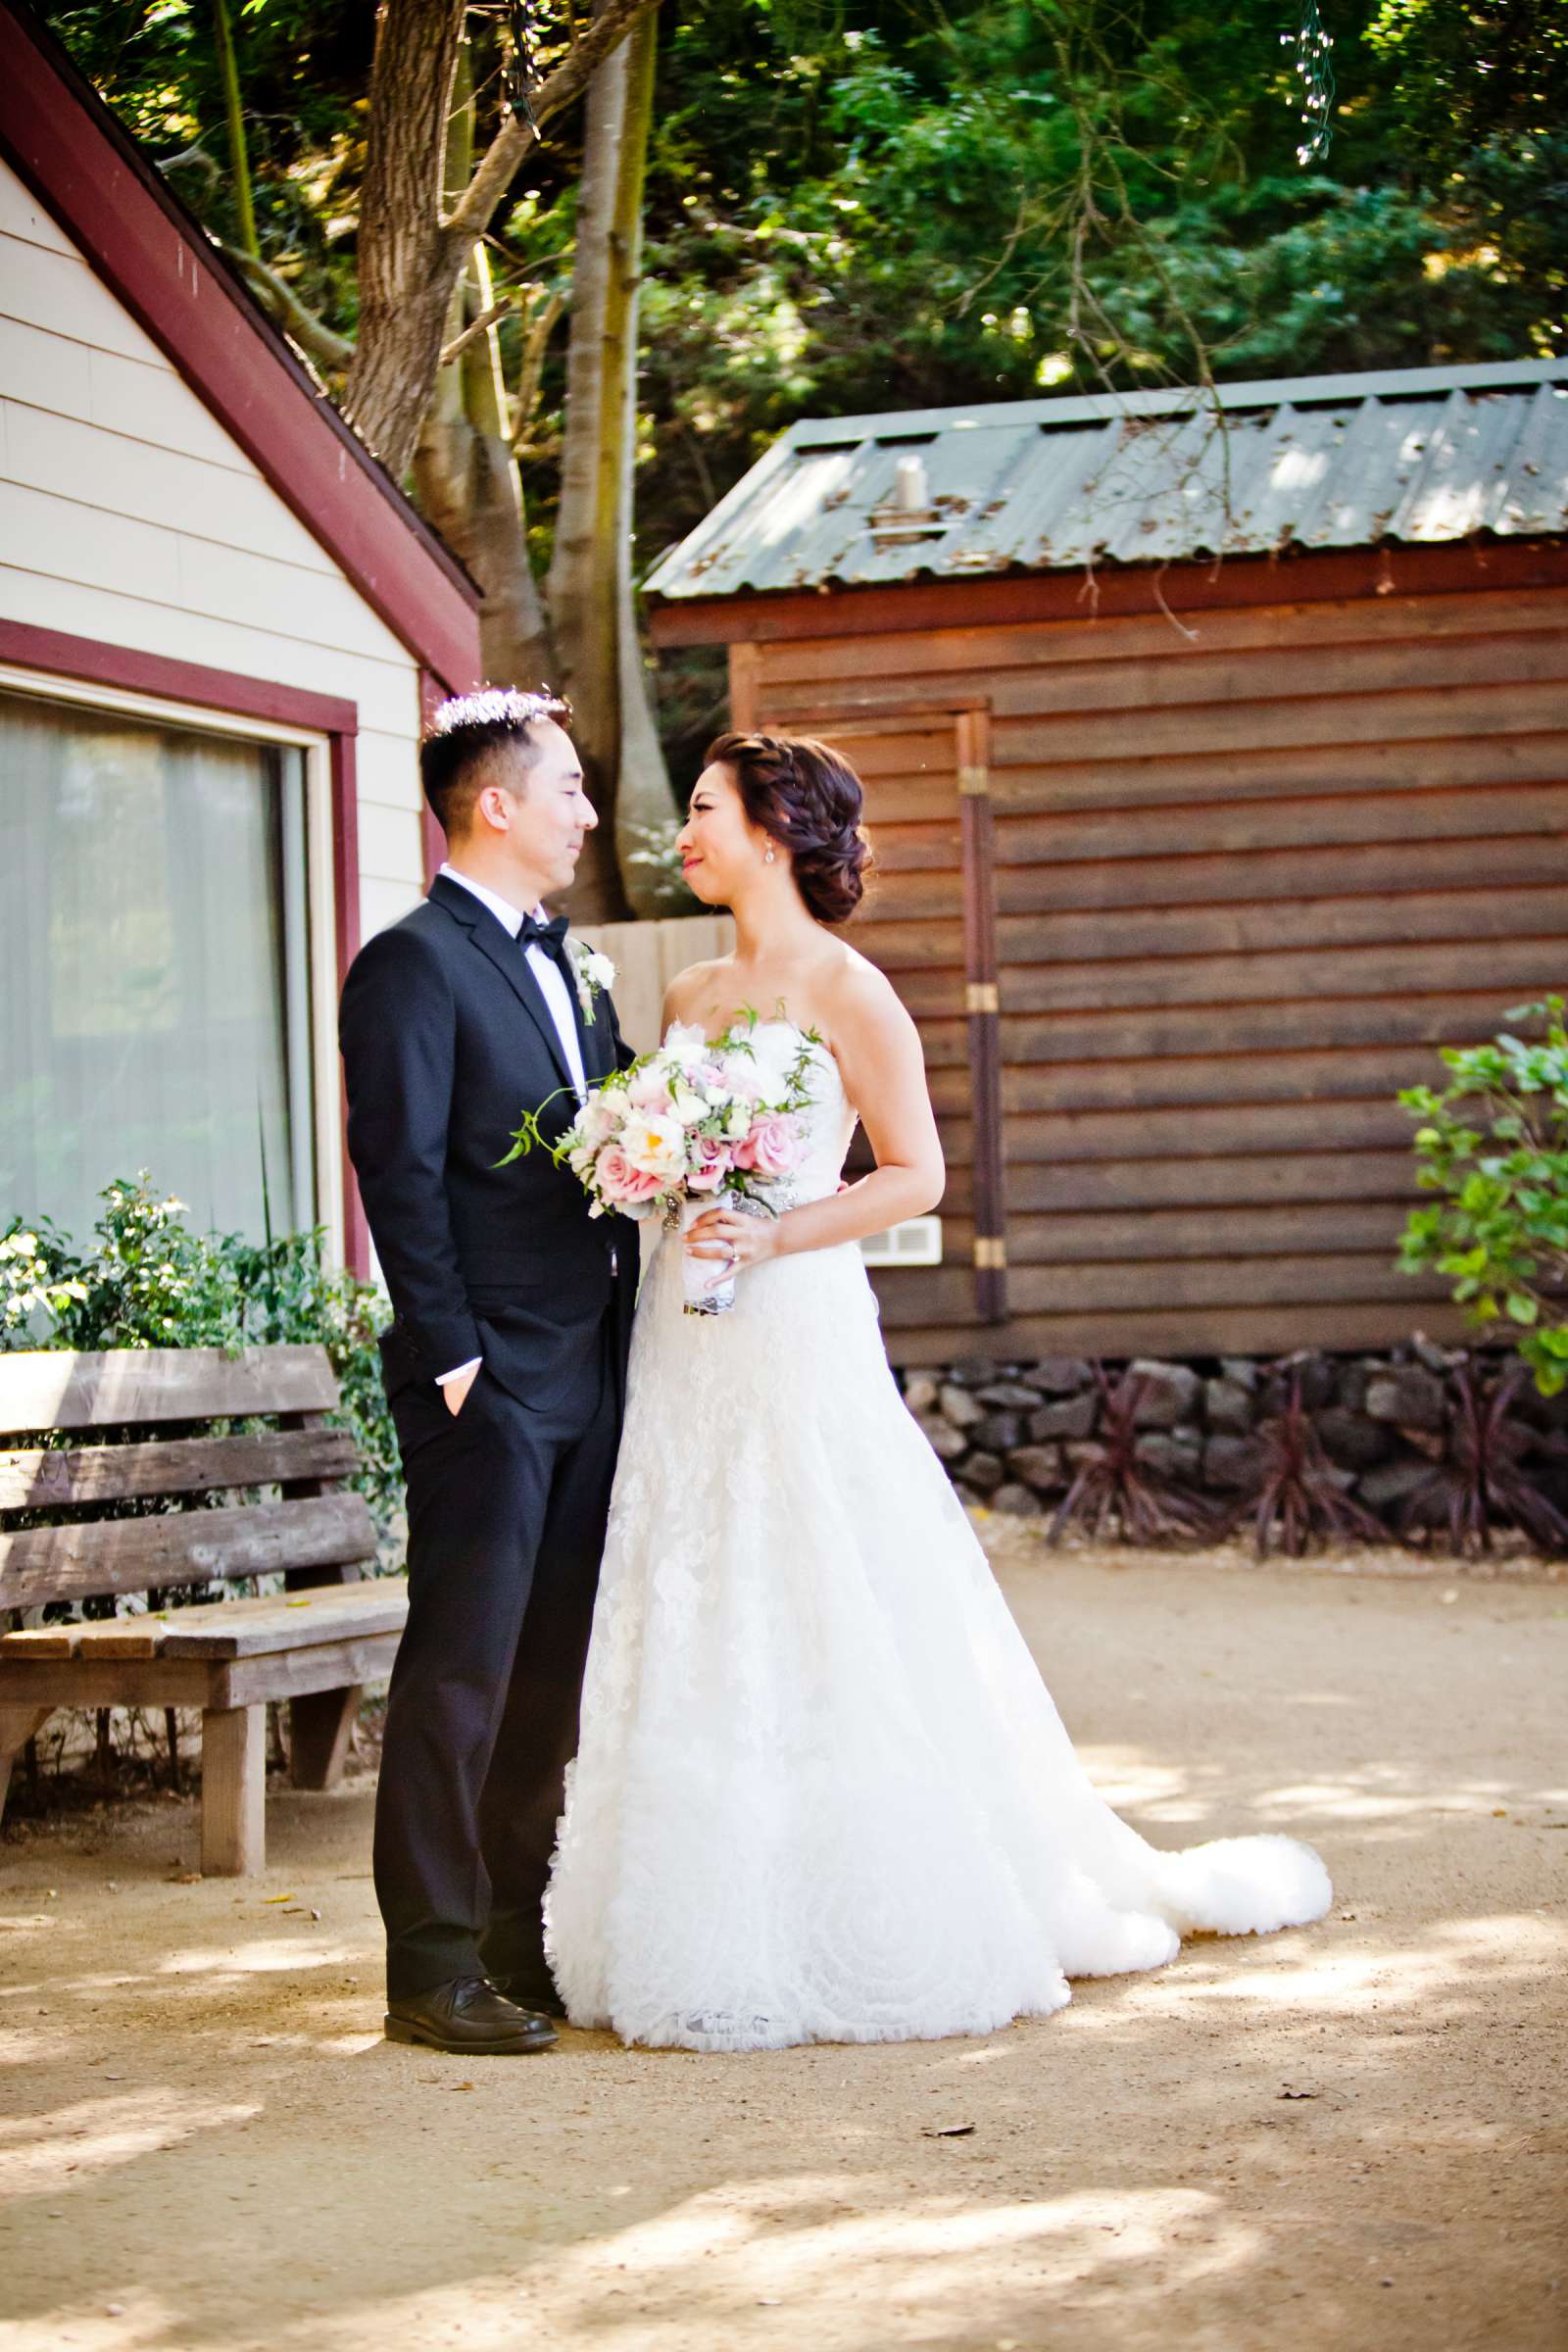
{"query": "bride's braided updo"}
(810, 799)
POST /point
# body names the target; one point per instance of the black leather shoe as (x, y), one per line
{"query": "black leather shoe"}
(470, 2017)
(535, 1991)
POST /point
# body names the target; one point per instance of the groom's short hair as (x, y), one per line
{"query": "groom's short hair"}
(462, 738)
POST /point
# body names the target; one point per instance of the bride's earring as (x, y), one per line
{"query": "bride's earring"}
(768, 856)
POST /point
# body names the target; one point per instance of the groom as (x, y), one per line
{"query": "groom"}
(505, 1366)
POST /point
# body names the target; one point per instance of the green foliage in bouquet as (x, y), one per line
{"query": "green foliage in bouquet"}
(144, 1280)
(1494, 1142)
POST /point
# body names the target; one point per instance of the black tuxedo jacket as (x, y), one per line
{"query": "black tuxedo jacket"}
(447, 1040)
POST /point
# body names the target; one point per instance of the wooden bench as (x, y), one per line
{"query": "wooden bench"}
(315, 1644)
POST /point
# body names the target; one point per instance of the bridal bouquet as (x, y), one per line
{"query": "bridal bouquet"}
(694, 1119)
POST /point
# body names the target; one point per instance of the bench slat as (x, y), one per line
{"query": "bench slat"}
(57, 1389)
(183, 1547)
(177, 1682)
(226, 1629)
(288, 1673)
(120, 1637)
(40, 1641)
(251, 1628)
(36, 1480)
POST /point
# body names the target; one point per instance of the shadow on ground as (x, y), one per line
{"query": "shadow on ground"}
(1346, 2132)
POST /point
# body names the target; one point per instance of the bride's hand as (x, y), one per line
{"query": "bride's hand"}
(730, 1241)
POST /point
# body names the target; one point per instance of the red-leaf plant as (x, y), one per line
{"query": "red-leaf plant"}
(1114, 1482)
(1295, 1492)
(1483, 1481)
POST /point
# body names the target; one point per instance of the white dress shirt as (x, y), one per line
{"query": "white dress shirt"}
(558, 1001)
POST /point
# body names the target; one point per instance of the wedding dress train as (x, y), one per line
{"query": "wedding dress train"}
(822, 1794)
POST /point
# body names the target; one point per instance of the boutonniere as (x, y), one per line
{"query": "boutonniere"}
(593, 970)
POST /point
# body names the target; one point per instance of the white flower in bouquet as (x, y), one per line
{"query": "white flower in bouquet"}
(655, 1145)
(595, 1124)
(647, 1089)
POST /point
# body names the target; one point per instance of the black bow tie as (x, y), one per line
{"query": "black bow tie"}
(549, 936)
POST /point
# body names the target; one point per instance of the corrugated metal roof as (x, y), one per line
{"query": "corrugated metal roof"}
(1420, 455)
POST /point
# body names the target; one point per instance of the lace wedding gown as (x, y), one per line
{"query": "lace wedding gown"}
(822, 1794)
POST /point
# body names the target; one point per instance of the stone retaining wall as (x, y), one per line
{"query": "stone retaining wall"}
(1012, 1436)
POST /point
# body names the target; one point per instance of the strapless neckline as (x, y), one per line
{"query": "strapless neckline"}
(817, 1045)
(696, 1029)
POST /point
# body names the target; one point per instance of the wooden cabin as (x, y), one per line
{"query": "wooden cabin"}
(1216, 762)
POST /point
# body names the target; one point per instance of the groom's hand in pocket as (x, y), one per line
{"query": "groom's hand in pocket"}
(456, 1390)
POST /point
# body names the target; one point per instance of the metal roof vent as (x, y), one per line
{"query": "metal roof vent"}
(911, 492)
(909, 514)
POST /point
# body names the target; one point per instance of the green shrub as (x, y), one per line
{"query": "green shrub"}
(144, 1280)
(1494, 1142)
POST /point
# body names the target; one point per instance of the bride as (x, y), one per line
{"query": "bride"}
(822, 1794)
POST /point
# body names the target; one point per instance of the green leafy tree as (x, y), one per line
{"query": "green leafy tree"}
(854, 205)
(1493, 1143)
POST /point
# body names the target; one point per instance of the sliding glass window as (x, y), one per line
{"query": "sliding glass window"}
(154, 969)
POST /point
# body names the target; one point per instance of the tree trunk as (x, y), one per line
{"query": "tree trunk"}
(411, 253)
(235, 116)
(581, 585)
(463, 469)
(589, 586)
(644, 804)
(423, 277)
(466, 482)
(408, 266)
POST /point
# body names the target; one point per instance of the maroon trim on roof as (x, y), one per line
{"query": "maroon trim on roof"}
(91, 175)
(1196, 586)
(54, 653)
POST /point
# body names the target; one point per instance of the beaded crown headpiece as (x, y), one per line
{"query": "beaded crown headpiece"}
(497, 707)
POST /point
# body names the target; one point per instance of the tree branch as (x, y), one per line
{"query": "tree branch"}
(313, 335)
(474, 330)
(541, 327)
(471, 217)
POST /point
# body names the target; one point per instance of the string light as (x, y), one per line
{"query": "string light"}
(518, 73)
(1314, 49)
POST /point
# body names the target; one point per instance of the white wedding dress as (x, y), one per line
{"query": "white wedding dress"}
(822, 1794)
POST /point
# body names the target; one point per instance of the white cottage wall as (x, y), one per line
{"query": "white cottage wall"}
(128, 515)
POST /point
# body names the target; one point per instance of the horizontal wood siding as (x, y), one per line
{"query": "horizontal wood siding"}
(1249, 873)
(910, 920)
(129, 515)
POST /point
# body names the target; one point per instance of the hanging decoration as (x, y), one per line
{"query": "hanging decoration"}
(518, 73)
(1314, 48)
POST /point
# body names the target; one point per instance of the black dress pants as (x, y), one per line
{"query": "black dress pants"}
(507, 1510)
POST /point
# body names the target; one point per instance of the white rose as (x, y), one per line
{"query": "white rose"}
(657, 1146)
(595, 1124)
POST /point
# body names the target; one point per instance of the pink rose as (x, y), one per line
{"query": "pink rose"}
(712, 1163)
(773, 1147)
(620, 1181)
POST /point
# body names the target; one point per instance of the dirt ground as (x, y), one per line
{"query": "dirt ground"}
(1353, 2134)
